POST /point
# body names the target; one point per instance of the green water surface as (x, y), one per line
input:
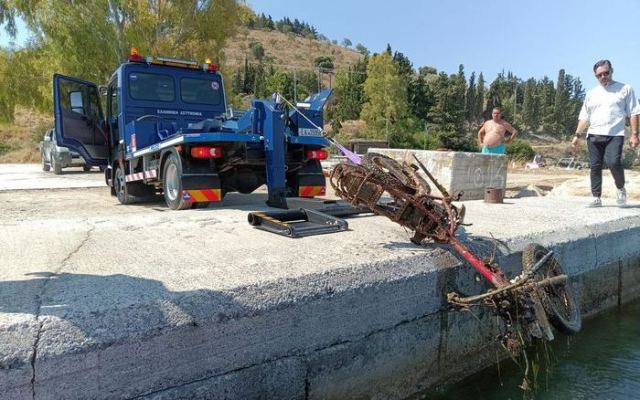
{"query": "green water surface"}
(601, 362)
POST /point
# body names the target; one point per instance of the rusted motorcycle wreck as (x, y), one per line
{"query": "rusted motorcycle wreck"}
(529, 304)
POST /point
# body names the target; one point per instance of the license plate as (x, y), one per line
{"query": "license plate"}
(309, 132)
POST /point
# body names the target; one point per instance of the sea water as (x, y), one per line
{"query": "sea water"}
(600, 362)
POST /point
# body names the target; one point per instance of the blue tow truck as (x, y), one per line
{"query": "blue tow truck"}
(168, 130)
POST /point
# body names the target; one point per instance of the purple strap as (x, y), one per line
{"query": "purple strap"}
(353, 157)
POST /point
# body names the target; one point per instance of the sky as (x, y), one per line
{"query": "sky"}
(532, 39)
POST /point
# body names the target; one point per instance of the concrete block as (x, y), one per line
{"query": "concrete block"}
(470, 173)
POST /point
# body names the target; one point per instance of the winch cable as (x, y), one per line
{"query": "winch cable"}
(353, 157)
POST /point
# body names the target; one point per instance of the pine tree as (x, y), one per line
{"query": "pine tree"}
(420, 98)
(405, 67)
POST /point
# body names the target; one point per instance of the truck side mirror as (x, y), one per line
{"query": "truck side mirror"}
(102, 89)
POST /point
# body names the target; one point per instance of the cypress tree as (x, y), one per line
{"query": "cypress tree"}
(560, 103)
(480, 99)
(471, 99)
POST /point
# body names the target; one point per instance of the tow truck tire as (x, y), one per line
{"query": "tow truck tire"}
(558, 302)
(120, 187)
(55, 164)
(172, 184)
(45, 166)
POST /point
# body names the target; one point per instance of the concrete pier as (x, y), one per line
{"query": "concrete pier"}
(140, 302)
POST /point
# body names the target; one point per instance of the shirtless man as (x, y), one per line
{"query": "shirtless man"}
(491, 137)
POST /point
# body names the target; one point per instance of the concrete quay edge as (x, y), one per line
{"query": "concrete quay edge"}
(375, 329)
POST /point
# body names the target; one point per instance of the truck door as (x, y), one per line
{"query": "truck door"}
(78, 119)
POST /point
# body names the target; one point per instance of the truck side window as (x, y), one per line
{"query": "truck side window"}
(75, 100)
(112, 112)
(94, 105)
(113, 101)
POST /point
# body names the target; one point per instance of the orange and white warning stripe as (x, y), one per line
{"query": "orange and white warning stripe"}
(138, 176)
(311, 191)
(201, 195)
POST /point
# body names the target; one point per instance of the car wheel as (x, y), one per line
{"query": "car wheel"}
(57, 168)
(86, 168)
(45, 166)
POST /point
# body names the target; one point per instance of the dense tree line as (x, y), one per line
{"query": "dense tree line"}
(429, 109)
(285, 25)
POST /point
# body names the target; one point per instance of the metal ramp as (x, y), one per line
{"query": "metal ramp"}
(303, 222)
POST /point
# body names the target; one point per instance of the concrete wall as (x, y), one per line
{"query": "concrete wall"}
(470, 173)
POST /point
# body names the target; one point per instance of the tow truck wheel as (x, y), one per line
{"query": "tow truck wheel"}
(172, 184)
(45, 166)
(120, 186)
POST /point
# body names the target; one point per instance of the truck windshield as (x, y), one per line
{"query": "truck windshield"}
(200, 91)
(153, 87)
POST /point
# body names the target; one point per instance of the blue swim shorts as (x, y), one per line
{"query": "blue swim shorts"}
(499, 149)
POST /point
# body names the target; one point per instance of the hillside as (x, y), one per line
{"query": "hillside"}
(19, 140)
(287, 51)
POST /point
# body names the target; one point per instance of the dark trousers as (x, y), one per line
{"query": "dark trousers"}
(607, 149)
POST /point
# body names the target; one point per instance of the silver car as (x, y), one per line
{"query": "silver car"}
(57, 157)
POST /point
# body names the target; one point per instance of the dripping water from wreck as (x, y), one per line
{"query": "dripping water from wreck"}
(601, 362)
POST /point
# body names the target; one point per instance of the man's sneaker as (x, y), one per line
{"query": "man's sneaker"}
(622, 197)
(595, 203)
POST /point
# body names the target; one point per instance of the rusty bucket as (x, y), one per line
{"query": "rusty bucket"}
(493, 195)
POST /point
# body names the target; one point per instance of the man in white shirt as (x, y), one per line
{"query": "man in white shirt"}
(605, 110)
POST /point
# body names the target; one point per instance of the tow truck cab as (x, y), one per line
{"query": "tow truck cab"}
(167, 130)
